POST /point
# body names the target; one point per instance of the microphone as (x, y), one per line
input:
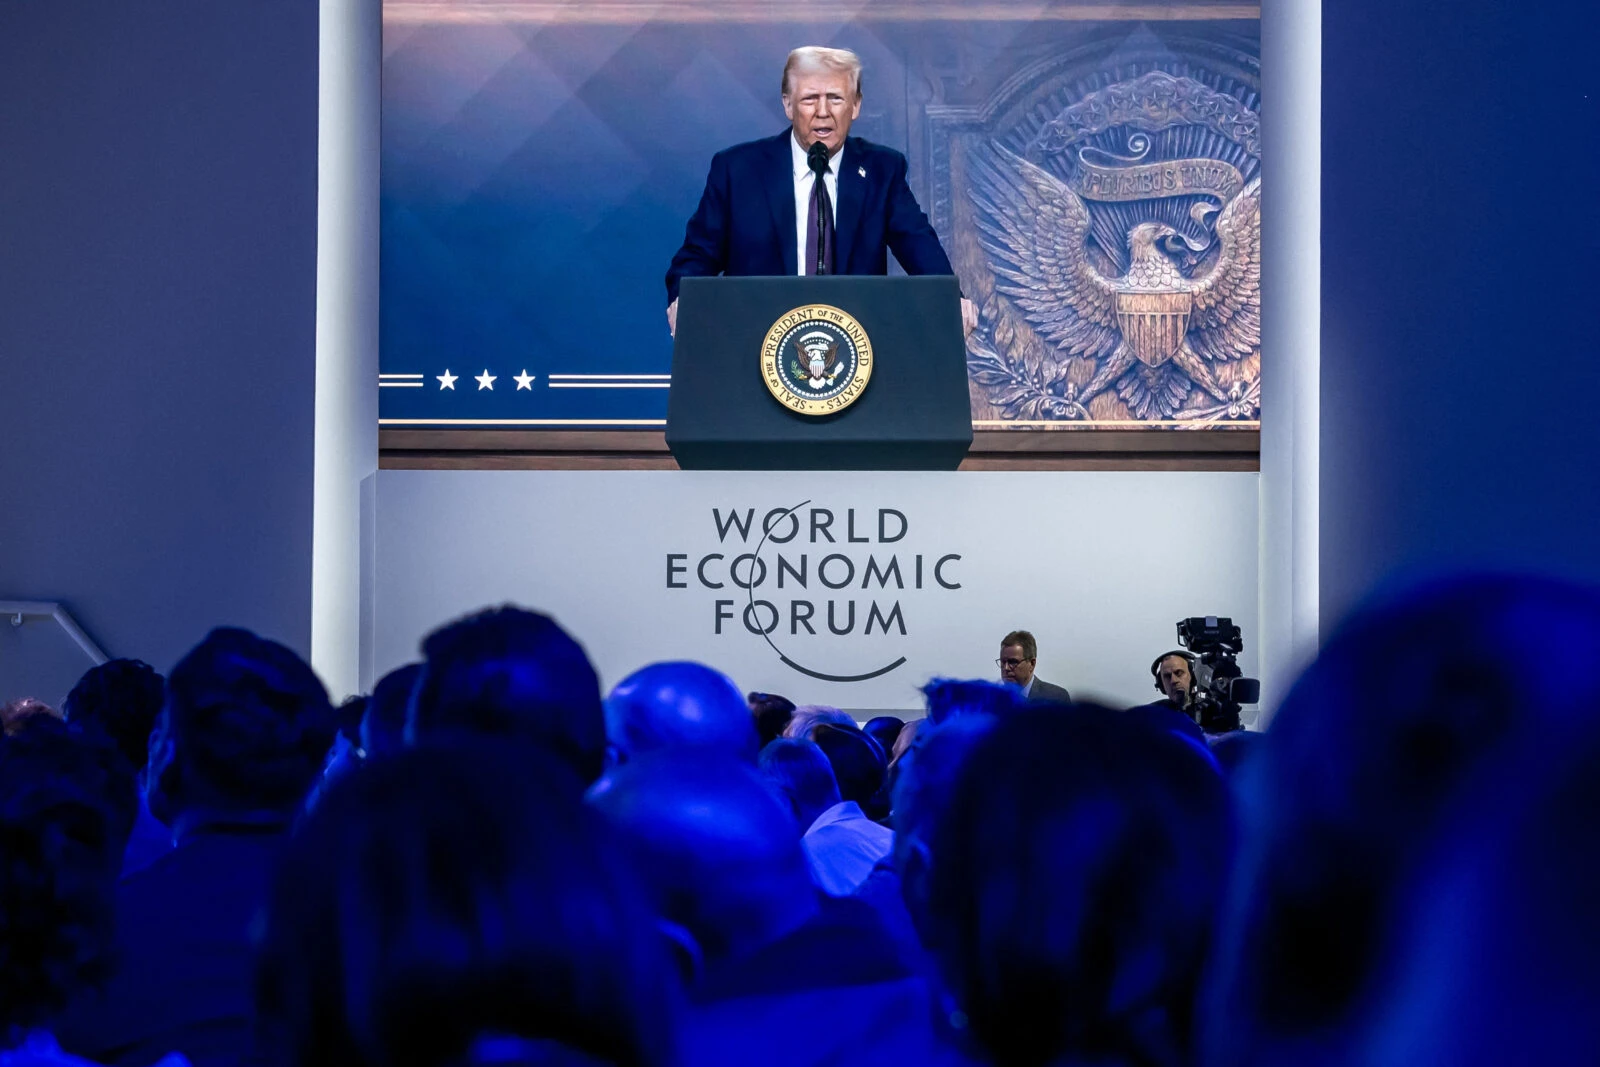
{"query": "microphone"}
(817, 157)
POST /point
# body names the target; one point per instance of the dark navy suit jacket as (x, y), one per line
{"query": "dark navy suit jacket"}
(745, 223)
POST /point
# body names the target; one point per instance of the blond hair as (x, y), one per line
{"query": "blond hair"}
(815, 59)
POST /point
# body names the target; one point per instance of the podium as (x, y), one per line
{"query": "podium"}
(724, 411)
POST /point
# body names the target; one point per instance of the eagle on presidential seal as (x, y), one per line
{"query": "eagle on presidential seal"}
(821, 360)
(1168, 317)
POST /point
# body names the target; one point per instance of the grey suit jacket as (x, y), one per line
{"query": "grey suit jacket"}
(1045, 693)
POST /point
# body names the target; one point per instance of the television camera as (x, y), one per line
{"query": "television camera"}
(1220, 688)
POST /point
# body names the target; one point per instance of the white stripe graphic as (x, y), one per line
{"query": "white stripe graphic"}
(611, 377)
(522, 422)
(609, 385)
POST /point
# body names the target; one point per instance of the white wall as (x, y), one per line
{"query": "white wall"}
(1099, 566)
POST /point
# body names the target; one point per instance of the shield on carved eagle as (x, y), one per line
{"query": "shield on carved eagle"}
(1154, 324)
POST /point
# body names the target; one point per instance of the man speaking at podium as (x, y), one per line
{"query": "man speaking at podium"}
(764, 212)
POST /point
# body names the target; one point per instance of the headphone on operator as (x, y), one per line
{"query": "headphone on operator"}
(1155, 666)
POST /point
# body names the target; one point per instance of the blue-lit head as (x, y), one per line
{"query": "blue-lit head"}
(1411, 703)
(121, 698)
(679, 706)
(512, 674)
(453, 901)
(948, 698)
(67, 803)
(1075, 874)
(925, 780)
(383, 727)
(720, 853)
(800, 775)
(244, 731)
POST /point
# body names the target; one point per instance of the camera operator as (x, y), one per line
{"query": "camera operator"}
(1174, 675)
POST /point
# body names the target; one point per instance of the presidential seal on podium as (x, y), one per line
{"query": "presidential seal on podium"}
(816, 360)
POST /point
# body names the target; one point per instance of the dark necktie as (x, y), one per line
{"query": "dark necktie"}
(819, 226)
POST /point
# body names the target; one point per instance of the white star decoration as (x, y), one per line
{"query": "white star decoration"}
(524, 380)
(447, 380)
(486, 380)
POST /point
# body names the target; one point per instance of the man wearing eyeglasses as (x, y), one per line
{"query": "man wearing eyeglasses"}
(1018, 654)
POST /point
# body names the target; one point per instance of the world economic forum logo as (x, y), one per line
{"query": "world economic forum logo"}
(832, 590)
(816, 360)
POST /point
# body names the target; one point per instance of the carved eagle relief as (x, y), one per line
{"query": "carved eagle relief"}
(1155, 332)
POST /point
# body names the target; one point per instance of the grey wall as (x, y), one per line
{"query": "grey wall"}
(1460, 361)
(158, 197)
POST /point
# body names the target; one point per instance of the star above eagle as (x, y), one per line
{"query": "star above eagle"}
(1154, 332)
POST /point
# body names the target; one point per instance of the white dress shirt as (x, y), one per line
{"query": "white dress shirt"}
(843, 846)
(804, 182)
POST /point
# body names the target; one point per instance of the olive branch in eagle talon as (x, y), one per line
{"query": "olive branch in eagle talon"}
(1151, 332)
(1014, 389)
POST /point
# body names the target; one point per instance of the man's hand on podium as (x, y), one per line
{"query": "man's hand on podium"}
(672, 318)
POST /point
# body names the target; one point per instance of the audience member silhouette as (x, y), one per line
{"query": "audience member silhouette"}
(907, 738)
(947, 698)
(121, 698)
(772, 713)
(91, 763)
(800, 776)
(809, 716)
(383, 727)
(237, 746)
(67, 799)
(460, 905)
(346, 754)
(884, 729)
(1075, 874)
(722, 858)
(511, 673)
(1493, 962)
(1408, 703)
(858, 763)
(925, 774)
(1234, 750)
(841, 844)
(726, 864)
(15, 716)
(677, 707)
(927, 778)
(1161, 715)
(348, 716)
